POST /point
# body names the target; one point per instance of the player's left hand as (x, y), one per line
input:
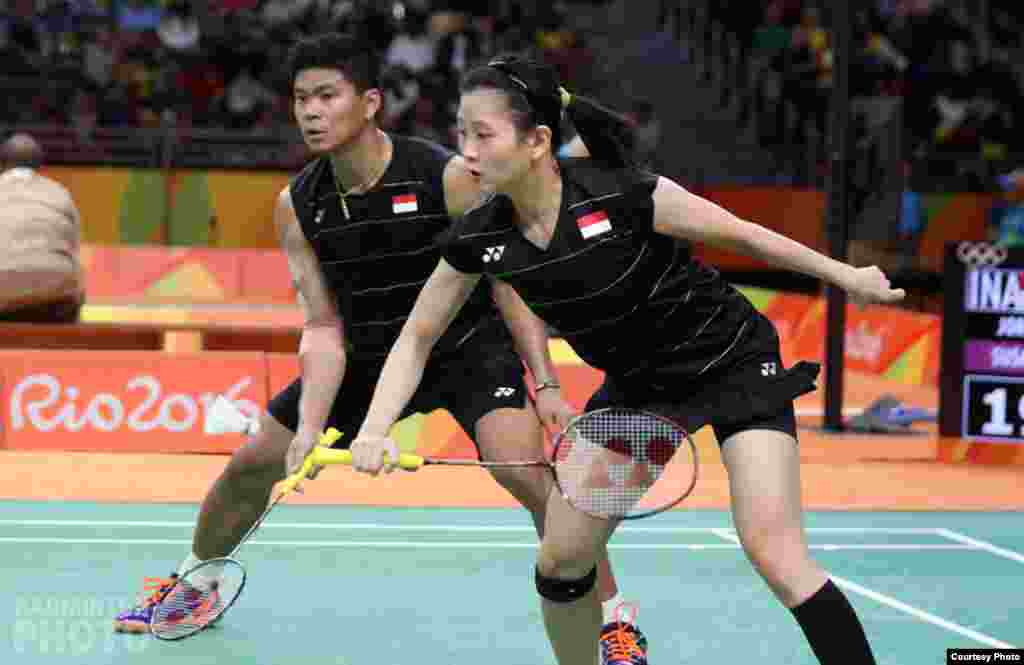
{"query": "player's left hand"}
(554, 412)
(869, 285)
(373, 454)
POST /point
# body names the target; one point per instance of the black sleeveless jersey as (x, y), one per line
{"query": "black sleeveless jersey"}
(378, 249)
(626, 298)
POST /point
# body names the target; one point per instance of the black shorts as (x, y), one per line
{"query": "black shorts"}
(752, 390)
(486, 374)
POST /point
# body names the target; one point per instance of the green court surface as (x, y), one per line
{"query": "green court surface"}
(412, 586)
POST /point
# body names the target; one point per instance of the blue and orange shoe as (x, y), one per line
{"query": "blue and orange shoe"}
(188, 604)
(138, 618)
(621, 641)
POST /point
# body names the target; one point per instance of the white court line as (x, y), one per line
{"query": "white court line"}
(921, 614)
(407, 544)
(902, 607)
(808, 412)
(981, 545)
(342, 526)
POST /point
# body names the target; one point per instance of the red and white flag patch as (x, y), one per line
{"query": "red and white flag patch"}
(594, 224)
(404, 203)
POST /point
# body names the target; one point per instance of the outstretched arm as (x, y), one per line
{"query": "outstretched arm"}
(681, 214)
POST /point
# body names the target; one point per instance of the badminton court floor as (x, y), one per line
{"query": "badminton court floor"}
(418, 586)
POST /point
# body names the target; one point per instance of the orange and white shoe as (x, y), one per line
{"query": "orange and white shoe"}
(621, 641)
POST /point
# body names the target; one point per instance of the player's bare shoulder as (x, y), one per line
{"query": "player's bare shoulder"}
(311, 289)
(285, 218)
(289, 230)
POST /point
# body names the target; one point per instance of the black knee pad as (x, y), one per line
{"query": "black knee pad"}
(565, 591)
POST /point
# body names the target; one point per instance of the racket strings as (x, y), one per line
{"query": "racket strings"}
(197, 600)
(609, 459)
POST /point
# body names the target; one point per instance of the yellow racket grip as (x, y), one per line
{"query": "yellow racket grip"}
(326, 456)
(330, 437)
(327, 439)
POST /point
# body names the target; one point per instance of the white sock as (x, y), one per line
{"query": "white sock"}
(609, 606)
(204, 577)
(190, 562)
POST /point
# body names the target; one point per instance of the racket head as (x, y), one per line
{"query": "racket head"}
(623, 463)
(198, 599)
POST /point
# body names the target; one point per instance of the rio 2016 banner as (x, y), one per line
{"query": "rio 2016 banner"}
(152, 402)
(123, 400)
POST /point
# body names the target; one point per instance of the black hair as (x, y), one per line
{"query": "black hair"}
(534, 95)
(354, 57)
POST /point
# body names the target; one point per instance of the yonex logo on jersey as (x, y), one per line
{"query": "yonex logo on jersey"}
(319, 216)
(504, 391)
(493, 253)
(767, 369)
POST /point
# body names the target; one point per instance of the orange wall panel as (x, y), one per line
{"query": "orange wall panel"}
(243, 206)
(97, 193)
(282, 369)
(797, 213)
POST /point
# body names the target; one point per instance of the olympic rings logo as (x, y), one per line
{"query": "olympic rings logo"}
(980, 253)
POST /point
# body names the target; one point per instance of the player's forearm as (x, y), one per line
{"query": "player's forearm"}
(531, 340)
(766, 245)
(528, 331)
(322, 359)
(399, 379)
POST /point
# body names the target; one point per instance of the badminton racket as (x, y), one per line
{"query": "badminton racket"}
(613, 463)
(201, 595)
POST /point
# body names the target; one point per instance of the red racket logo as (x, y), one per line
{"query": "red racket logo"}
(660, 450)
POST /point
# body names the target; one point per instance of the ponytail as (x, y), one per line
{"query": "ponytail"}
(608, 136)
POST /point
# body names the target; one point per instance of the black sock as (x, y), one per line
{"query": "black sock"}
(833, 629)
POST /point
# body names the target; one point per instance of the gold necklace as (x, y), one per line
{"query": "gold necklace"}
(352, 190)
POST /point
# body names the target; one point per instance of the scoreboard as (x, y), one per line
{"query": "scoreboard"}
(982, 376)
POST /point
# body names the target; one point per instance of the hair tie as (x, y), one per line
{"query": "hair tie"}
(566, 97)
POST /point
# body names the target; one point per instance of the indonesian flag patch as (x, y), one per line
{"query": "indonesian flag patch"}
(403, 204)
(594, 224)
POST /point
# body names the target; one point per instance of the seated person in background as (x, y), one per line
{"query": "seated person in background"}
(41, 279)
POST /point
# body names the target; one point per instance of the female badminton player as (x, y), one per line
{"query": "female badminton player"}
(592, 248)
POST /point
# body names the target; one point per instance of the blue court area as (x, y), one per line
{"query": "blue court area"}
(383, 586)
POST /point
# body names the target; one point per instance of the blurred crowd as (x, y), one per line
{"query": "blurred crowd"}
(88, 64)
(956, 66)
(953, 68)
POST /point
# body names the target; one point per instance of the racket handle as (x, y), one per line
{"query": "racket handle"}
(330, 437)
(327, 439)
(326, 456)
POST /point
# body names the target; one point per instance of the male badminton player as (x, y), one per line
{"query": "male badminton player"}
(359, 226)
(591, 246)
